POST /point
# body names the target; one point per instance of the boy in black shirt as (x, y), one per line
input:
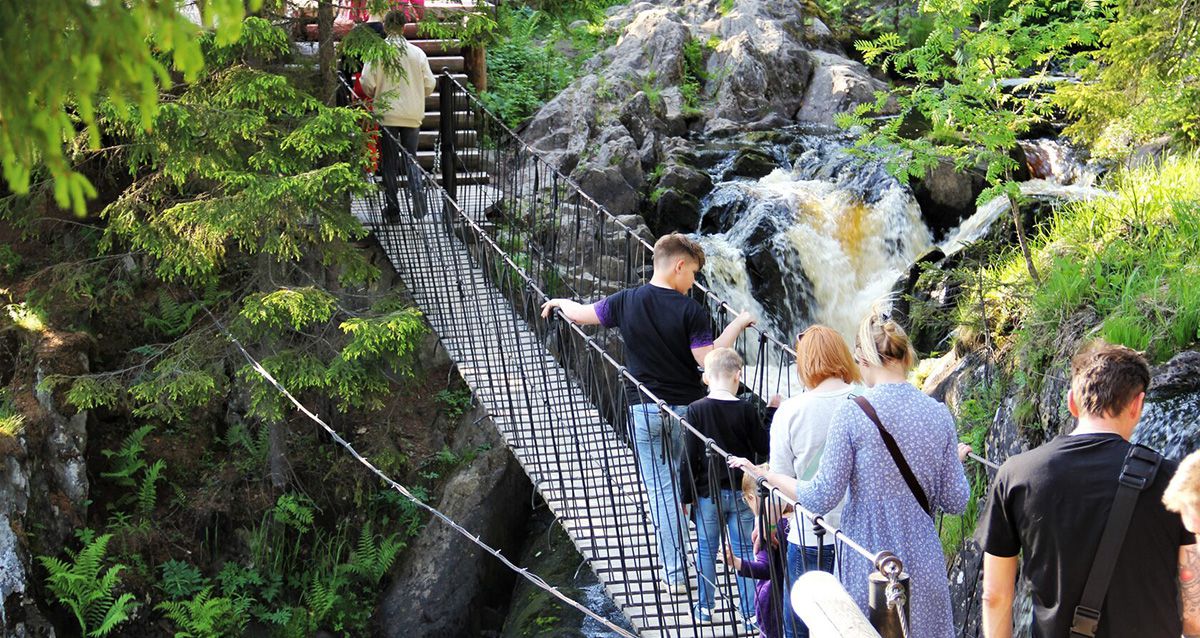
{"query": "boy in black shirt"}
(667, 335)
(734, 426)
(1052, 505)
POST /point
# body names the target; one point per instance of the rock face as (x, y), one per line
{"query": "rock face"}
(447, 585)
(765, 65)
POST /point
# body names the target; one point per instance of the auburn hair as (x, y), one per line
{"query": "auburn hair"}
(822, 353)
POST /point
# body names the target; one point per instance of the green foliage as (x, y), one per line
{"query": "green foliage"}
(126, 462)
(725, 7)
(455, 402)
(175, 317)
(1132, 258)
(89, 53)
(180, 579)
(84, 586)
(536, 54)
(694, 76)
(12, 422)
(292, 308)
(1141, 85)
(207, 616)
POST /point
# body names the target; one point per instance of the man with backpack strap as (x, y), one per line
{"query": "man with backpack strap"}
(1102, 554)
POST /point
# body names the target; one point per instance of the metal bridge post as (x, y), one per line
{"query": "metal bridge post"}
(887, 598)
(446, 131)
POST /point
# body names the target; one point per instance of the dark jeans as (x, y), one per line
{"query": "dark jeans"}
(390, 160)
(801, 560)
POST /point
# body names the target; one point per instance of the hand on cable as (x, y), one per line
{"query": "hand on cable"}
(963, 451)
(775, 401)
(739, 463)
(731, 559)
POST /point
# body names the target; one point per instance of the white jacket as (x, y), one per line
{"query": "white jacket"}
(400, 101)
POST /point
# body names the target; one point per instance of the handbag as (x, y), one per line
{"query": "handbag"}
(897, 456)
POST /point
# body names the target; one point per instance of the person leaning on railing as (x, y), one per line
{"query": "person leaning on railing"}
(667, 334)
(798, 434)
(1054, 504)
(883, 508)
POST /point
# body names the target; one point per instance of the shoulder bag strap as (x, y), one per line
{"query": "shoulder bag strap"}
(897, 456)
(1141, 465)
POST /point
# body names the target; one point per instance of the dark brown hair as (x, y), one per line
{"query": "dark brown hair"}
(1105, 378)
(394, 21)
(677, 245)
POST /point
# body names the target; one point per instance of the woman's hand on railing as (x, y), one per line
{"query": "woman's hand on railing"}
(963, 451)
(743, 464)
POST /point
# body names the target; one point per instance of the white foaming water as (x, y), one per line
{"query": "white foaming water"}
(976, 226)
(848, 251)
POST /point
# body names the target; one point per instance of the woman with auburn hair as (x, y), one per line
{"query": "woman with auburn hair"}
(798, 433)
(891, 494)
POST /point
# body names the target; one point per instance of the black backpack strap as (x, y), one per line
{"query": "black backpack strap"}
(1141, 466)
(897, 456)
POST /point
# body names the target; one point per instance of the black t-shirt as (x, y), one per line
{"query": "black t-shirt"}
(660, 327)
(733, 426)
(1052, 505)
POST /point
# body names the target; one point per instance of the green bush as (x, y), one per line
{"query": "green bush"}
(87, 588)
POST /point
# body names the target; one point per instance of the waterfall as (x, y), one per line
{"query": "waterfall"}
(814, 242)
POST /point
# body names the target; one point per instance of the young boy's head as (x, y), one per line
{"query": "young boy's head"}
(677, 259)
(1108, 382)
(1183, 493)
(394, 21)
(723, 369)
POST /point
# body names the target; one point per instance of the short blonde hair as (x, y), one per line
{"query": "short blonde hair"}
(882, 341)
(722, 363)
(1184, 488)
(822, 353)
(750, 482)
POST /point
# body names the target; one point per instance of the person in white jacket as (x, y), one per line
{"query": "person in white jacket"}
(830, 376)
(399, 91)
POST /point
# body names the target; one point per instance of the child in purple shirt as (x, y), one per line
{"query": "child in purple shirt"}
(769, 566)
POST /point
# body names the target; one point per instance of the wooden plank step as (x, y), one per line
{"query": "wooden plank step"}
(438, 47)
(455, 63)
(427, 140)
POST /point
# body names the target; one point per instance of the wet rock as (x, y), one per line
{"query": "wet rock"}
(609, 188)
(676, 210)
(1179, 376)
(725, 208)
(446, 584)
(751, 162)
(947, 195)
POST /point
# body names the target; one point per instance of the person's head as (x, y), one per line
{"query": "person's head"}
(723, 369)
(822, 353)
(677, 259)
(1183, 493)
(882, 345)
(750, 486)
(1108, 385)
(394, 21)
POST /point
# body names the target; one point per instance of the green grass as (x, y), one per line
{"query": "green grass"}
(12, 422)
(1133, 258)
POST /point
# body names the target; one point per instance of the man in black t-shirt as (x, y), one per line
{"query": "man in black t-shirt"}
(1051, 504)
(667, 335)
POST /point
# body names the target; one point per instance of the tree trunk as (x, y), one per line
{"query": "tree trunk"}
(326, 51)
(1016, 213)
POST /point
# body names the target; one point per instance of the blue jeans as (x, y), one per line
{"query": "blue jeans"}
(802, 559)
(658, 446)
(730, 510)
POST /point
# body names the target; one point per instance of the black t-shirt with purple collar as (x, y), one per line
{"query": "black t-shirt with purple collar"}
(660, 327)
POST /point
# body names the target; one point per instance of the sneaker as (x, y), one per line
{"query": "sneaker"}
(702, 614)
(676, 589)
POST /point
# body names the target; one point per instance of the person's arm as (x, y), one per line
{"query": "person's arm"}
(999, 589)
(430, 81)
(781, 444)
(1189, 589)
(367, 79)
(730, 334)
(573, 311)
(953, 490)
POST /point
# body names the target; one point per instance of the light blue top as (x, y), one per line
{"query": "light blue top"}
(880, 511)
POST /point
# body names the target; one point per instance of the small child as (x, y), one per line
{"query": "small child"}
(770, 571)
(734, 426)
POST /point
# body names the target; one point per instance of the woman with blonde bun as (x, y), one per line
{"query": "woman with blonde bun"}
(882, 511)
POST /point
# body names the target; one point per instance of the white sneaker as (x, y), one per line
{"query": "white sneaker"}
(676, 589)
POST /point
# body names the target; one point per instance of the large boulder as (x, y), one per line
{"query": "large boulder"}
(837, 84)
(446, 585)
(947, 195)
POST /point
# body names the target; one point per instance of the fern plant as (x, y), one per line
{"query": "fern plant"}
(207, 616)
(84, 586)
(127, 460)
